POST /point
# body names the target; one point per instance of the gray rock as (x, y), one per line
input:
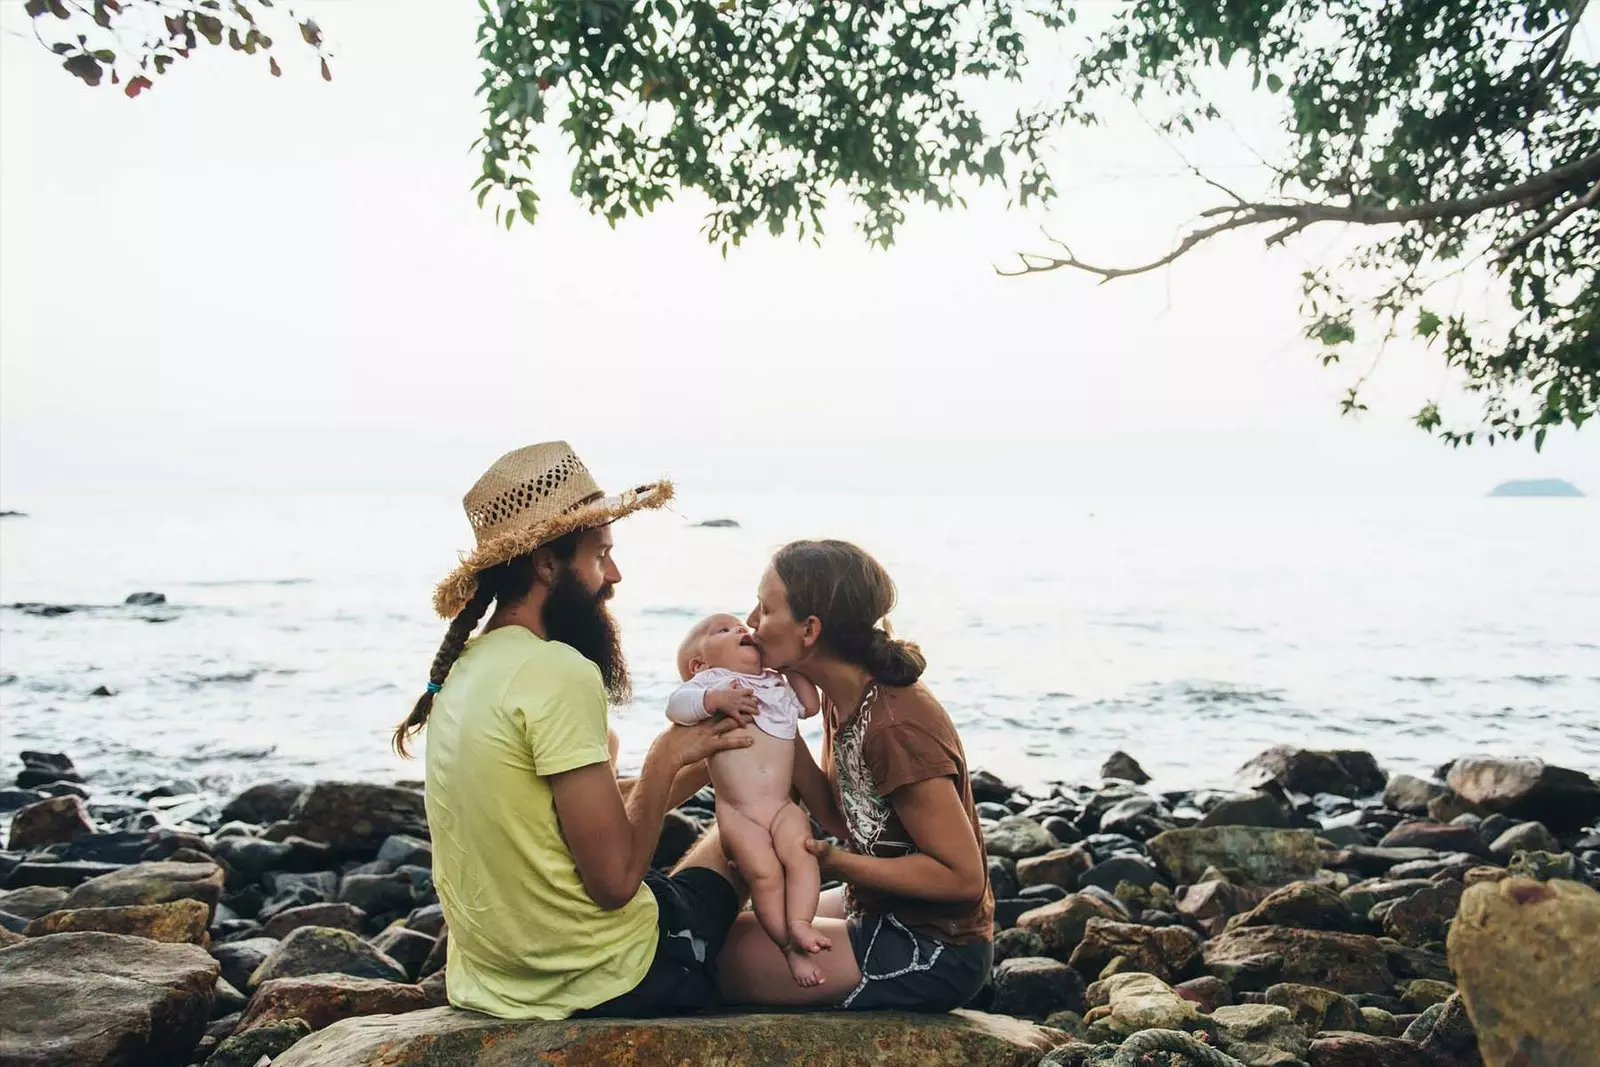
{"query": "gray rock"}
(1247, 809)
(1017, 838)
(239, 959)
(269, 1039)
(378, 894)
(1003, 877)
(323, 950)
(1410, 794)
(1523, 837)
(339, 916)
(1528, 789)
(1121, 765)
(1032, 987)
(354, 817)
(264, 803)
(33, 901)
(1345, 772)
(1119, 869)
(1015, 943)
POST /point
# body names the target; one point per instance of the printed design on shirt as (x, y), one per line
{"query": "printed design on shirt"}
(866, 814)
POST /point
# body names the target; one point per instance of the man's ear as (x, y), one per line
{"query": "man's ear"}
(545, 566)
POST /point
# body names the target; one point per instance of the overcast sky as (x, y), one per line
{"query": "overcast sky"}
(283, 282)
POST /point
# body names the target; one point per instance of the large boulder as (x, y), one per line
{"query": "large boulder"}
(151, 883)
(1060, 924)
(264, 803)
(175, 922)
(1168, 952)
(1528, 789)
(49, 822)
(323, 950)
(1345, 963)
(324, 999)
(102, 1000)
(1264, 855)
(1530, 986)
(1343, 772)
(355, 817)
(834, 1039)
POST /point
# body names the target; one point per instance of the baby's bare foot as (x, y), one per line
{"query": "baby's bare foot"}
(807, 974)
(804, 936)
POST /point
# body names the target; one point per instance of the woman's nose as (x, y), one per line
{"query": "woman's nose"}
(750, 621)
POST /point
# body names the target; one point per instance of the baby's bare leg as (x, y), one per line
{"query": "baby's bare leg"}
(802, 881)
(749, 845)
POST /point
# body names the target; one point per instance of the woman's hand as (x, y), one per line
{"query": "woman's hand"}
(734, 701)
(685, 745)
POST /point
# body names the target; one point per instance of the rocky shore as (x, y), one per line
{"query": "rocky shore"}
(1317, 912)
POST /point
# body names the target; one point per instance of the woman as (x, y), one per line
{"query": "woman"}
(912, 930)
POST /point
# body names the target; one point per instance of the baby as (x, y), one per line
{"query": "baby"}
(763, 831)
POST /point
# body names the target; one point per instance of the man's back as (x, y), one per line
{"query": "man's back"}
(526, 940)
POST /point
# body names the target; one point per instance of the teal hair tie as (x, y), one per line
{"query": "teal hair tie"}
(434, 687)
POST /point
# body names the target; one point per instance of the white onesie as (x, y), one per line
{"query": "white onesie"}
(778, 706)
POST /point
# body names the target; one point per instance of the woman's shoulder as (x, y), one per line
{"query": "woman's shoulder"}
(914, 705)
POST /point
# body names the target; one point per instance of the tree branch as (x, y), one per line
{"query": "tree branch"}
(1558, 53)
(1535, 191)
(1587, 200)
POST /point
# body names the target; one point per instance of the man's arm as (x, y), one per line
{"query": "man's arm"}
(612, 839)
(688, 782)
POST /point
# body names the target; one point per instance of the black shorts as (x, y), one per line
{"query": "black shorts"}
(695, 909)
(903, 970)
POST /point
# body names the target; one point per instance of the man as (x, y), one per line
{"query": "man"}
(541, 856)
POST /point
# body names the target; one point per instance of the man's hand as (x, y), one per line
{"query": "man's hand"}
(681, 746)
(734, 701)
(825, 851)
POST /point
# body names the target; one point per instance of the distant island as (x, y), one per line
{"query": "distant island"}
(1536, 487)
(718, 524)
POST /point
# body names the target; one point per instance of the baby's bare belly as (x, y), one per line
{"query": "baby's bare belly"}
(756, 779)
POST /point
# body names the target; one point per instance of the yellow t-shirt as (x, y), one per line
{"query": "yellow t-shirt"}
(526, 941)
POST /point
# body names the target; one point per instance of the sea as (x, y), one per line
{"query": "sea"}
(1190, 632)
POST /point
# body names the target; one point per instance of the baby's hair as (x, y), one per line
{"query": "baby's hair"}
(691, 646)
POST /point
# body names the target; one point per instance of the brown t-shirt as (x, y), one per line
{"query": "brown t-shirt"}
(902, 737)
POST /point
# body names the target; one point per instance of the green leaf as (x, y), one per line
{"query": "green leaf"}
(1428, 323)
(1274, 83)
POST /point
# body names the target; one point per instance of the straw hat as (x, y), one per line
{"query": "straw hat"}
(529, 498)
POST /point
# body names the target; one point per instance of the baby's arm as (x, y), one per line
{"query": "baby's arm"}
(806, 690)
(687, 704)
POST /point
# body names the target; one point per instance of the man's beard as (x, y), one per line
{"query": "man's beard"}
(575, 616)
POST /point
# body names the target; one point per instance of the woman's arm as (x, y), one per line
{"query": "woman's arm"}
(815, 792)
(949, 864)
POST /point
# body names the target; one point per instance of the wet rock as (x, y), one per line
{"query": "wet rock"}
(150, 883)
(102, 1000)
(119, 846)
(1527, 789)
(354, 817)
(1438, 837)
(1453, 865)
(269, 1039)
(251, 856)
(49, 821)
(1247, 809)
(323, 885)
(1346, 772)
(1137, 1002)
(437, 958)
(406, 947)
(145, 599)
(833, 1039)
(1118, 869)
(1315, 1008)
(323, 950)
(43, 768)
(377, 894)
(176, 922)
(12, 799)
(1265, 856)
(1137, 817)
(324, 999)
(1420, 994)
(239, 959)
(1018, 838)
(1062, 830)
(266, 802)
(992, 810)
(1031, 987)
(336, 916)
(1260, 1035)
(33, 901)
(1121, 765)
(1042, 894)
(1346, 963)
(1530, 995)
(64, 875)
(1003, 877)
(227, 1000)
(1059, 866)
(1170, 953)
(403, 850)
(986, 788)
(1345, 1049)
(1061, 924)
(1372, 862)
(1420, 918)
(1524, 837)
(1017, 943)
(1410, 794)
(1307, 905)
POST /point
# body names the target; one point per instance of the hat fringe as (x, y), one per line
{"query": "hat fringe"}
(452, 594)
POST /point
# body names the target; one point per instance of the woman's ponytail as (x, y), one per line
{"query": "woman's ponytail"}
(893, 662)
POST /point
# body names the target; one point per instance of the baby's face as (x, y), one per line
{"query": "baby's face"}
(727, 644)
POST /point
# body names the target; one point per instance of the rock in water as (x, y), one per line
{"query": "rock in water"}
(355, 816)
(1528, 789)
(264, 803)
(1343, 772)
(1265, 856)
(323, 999)
(176, 922)
(322, 950)
(1345, 963)
(269, 1040)
(42, 768)
(102, 1000)
(1121, 765)
(1032, 987)
(831, 1039)
(150, 883)
(1532, 993)
(49, 822)
(1410, 794)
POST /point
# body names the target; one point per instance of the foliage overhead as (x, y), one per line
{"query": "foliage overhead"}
(1450, 140)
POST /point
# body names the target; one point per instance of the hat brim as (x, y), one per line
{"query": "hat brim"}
(452, 594)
